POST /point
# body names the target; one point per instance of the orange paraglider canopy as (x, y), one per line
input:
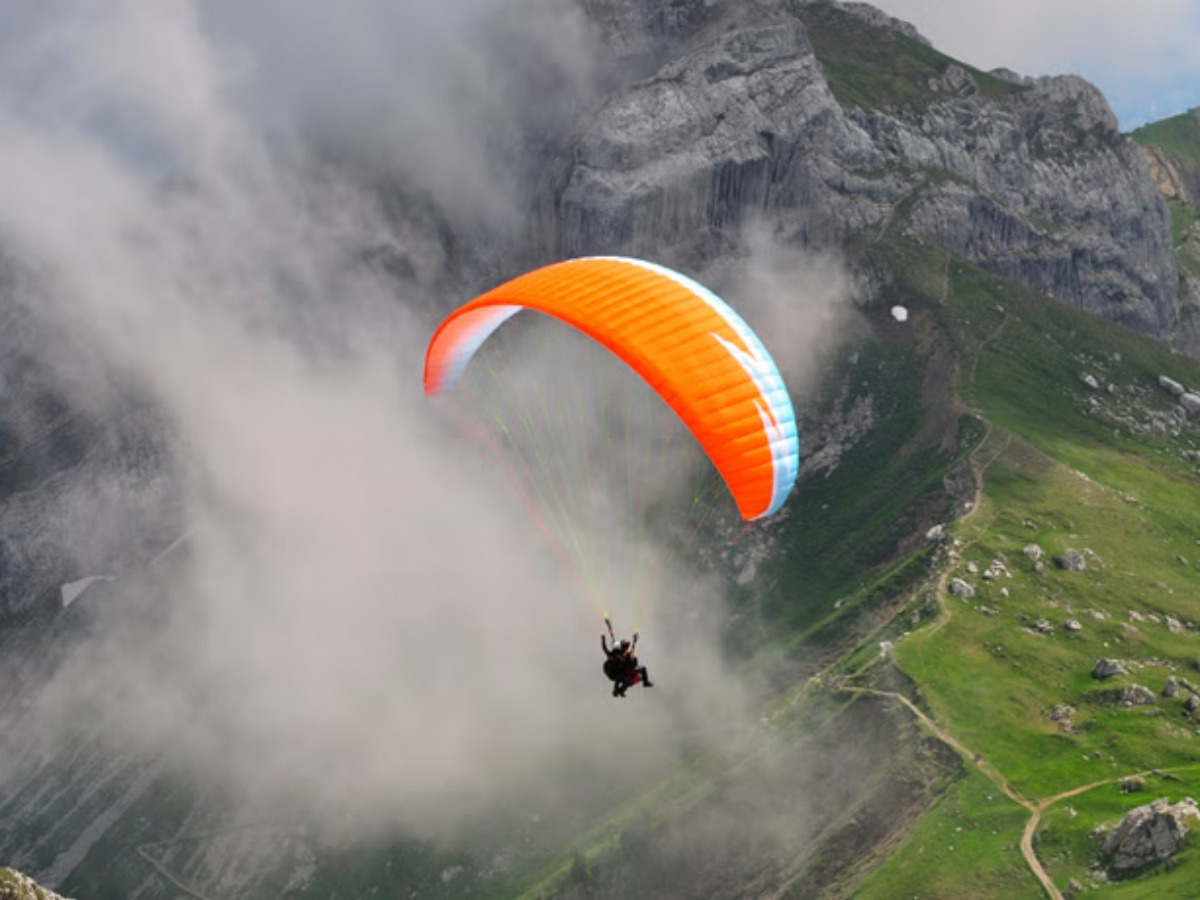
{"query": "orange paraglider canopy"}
(687, 344)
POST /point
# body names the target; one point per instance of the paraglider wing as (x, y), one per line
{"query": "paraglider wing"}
(687, 343)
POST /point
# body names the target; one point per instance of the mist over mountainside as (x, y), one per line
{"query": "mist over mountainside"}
(269, 629)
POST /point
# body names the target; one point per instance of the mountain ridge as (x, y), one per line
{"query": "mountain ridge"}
(1030, 179)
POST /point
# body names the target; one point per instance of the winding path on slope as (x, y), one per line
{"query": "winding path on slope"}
(144, 851)
(167, 875)
(1035, 807)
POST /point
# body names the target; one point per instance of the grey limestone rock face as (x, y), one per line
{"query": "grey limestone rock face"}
(691, 150)
(1187, 336)
(960, 588)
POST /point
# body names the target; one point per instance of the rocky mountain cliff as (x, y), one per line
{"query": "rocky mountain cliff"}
(830, 120)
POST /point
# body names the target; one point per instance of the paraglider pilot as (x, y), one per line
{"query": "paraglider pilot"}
(621, 664)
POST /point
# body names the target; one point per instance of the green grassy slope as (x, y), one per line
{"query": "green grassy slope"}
(1110, 473)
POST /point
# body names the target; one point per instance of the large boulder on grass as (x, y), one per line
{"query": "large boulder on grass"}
(1107, 668)
(1071, 560)
(1149, 834)
(1134, 695)
(960, 588)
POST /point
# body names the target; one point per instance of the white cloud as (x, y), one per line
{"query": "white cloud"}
(367, 622)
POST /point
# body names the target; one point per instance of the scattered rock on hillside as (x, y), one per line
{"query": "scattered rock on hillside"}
(1096, 614)
(879, 19)
(1171, 688)
(972, 568)
(1174, 625)
(1107, 668)
(1135, 616)
(1071, 560)
(1033, 551)
(1148, 834)
(936, 534)
(1062, 711)
(954, 80)
(997, 569)
(960, 588)
(1171, 386)
(1192, 703)
(1073, 625)
(1062, 714)
(1131, 784)
(1090, 381)
(1133, 695)
(1043, 626)
(1190, 402)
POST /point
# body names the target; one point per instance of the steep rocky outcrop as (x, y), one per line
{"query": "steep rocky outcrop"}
(1107, 668)
(1171, 150)
(763, 114)
(1171, 176)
